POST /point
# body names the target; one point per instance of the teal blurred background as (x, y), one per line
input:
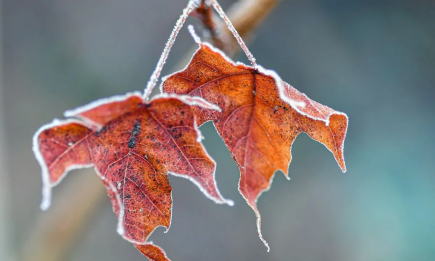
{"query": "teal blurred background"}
(374, 60)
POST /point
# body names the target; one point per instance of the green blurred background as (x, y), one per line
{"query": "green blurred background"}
(374, 60)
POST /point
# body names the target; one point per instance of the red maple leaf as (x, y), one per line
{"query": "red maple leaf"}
(260, 118)
(132, 145)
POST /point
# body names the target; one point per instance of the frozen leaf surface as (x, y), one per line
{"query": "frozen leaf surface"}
(132, 145)
(261, 117)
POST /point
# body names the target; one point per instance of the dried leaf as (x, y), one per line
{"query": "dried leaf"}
(261, 117)
(132, 145)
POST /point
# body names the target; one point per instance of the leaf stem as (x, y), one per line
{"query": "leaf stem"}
(233, 30)
(157, 71)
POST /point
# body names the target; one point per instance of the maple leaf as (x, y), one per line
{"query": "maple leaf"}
(132, 144)
(261, 117)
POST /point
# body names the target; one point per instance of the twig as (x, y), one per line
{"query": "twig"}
(205, 14)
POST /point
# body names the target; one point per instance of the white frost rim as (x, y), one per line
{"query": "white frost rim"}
(46, 183)
(189, 100)
(92, 105)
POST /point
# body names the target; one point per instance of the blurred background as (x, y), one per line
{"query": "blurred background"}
(374, 60)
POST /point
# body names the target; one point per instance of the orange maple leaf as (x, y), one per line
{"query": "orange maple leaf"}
(132, 145)
(261, 117)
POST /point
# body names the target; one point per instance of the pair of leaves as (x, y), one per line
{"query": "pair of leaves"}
(133, 144)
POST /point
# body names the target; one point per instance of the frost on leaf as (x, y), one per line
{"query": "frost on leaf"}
(260, 118)
(132, 145)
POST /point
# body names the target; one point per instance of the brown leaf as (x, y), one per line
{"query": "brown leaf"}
(132, 145)
(261, 117)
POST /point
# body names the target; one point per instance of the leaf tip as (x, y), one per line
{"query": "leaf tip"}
(343, 167)
(260, 235)
(120, 230)
(229, 202)
(46, 191)
(199, 136)
(45, 204)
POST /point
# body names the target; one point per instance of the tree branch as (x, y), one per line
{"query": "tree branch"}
(205, 14)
